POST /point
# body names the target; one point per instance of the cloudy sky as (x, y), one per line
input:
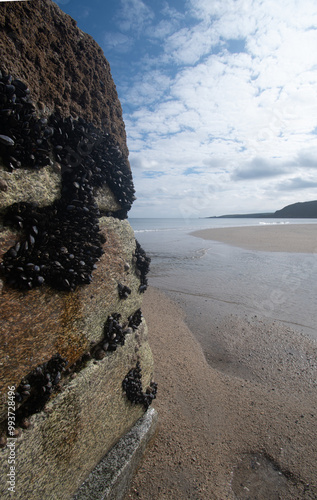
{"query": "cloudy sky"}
(219, 100)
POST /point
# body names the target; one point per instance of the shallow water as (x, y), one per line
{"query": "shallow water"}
(277, 285)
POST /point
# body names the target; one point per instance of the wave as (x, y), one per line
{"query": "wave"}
(262, 223)
(150, 230)
(199, 254)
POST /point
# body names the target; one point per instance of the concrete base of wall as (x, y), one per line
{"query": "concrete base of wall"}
(111, 478)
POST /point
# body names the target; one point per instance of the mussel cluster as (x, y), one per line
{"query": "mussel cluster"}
(61, 242)
(113, 335)
(143, 265)
(23, 136)
(37, 387)
(135, 319)
(60, 248)
(91, 158)
(124, 291)
(28, 141)
(132, 386)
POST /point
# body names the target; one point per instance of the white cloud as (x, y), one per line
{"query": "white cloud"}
(297, 183)
(239, 119)
(148, 88)
(134, 15)
(259, 168)
(188, 46)
(118, 41)
(307, 157)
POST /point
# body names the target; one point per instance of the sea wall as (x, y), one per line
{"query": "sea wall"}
(76, 366)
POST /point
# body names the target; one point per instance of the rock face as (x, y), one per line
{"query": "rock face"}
(64, 67)
(71, 272)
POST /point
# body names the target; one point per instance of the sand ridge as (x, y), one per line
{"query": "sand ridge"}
(235, 434)
(299, 238)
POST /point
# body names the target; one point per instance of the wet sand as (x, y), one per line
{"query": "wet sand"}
(300, 238)
(237, 396)
(240, 423)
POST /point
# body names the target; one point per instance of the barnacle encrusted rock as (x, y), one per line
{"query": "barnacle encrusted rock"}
(71, 272)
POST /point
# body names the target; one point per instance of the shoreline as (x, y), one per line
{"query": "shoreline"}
(229, 433)
(298, 238)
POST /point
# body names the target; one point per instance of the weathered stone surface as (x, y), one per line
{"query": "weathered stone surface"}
(42, 186)
(78, 426)
(87, 412)
(64, 67)
(112, 476)
(106, 200)
(39, 323)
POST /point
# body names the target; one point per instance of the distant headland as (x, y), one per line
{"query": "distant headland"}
(300, 210)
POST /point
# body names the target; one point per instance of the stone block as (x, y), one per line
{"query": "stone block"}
(78, 426)
(39, 323)
(111, 478)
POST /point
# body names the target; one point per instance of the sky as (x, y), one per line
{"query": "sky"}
(219, 100)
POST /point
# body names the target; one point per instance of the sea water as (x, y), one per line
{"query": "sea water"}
(197, 272)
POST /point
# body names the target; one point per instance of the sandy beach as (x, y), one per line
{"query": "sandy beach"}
(300, 238)
(237, 397)
(248, 432)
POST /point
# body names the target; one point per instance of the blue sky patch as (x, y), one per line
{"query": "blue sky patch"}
(152, 174)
